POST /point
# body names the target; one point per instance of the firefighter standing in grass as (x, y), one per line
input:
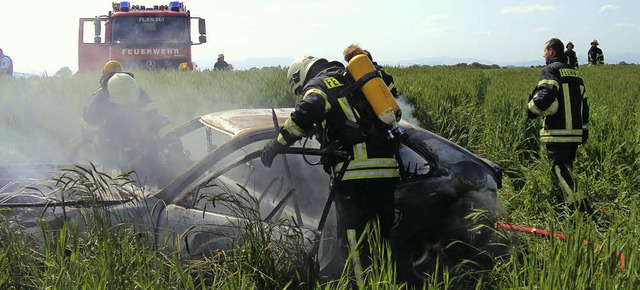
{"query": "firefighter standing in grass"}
(221, 64)
(129, 133)
(366, 190)
(595, 55)
(572, 59)
(560, 100)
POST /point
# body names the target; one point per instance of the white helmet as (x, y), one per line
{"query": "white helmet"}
(123, 89)
(298, 72)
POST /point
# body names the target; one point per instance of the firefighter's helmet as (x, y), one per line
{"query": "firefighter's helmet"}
(123, 89)
(111, 66)
(595, 41)
(297, 73)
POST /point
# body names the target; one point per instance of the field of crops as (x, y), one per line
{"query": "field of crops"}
(483, 110)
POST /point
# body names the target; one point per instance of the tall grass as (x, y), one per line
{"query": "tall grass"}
(482, 110)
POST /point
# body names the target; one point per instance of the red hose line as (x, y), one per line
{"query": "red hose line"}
(544, 233)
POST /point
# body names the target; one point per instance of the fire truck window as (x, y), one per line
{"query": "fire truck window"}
(151, 30)
(88, 32)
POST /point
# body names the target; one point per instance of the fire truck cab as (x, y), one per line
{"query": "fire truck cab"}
(140, 37)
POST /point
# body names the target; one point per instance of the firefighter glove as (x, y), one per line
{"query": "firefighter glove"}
(585, 136)
(270, 151)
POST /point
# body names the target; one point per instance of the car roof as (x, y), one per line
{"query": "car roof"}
(233, 122)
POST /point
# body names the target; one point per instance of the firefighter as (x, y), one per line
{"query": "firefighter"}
(6, 65)
(571, 55)
(129, 133)
(595, 55)
(560, 100)
(221, 64)
(365, 191)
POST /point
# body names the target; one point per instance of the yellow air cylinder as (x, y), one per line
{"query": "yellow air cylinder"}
(375, 90)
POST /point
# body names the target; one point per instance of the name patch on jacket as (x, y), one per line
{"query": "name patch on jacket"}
(332, 82)
(567, 72)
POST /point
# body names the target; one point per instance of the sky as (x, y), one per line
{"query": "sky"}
(42, 36)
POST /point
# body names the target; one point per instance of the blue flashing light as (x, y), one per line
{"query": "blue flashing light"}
(124, 6)
(175, 5)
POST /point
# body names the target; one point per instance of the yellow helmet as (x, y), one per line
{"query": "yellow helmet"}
(297, 72)
(111, 67)
(123, 89)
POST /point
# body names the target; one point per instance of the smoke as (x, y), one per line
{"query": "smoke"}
(407, 111)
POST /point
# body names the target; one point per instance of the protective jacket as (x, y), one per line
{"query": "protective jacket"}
(560, 99)
(346, 120)
(572, 58)
(221, 65)
(595, 55)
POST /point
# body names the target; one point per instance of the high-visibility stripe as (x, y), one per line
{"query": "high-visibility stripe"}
(346, 109)
(533, 108)
(553, 108)
(568, 112)
(557, 132)
(549, 82)
(327, 105)
(293, 129)
(281, 139)
(359, 151)
(369, 163)
(559, 139)
(371, 173)
(571, 195)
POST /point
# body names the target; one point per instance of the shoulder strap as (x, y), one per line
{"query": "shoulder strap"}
(359, 83)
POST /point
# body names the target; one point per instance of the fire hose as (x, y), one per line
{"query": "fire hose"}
(561, 236)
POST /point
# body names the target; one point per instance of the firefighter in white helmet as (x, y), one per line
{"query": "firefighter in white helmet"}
(595, 54)
(130, 134)
(364, 185)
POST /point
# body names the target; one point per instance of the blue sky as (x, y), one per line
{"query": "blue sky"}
(44, 39)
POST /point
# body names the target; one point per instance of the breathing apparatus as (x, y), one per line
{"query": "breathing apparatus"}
(375, 90)
(384, 105)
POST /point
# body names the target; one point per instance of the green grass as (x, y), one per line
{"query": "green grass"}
(482, 110)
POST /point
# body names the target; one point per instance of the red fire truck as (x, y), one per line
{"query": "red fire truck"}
(141, 37)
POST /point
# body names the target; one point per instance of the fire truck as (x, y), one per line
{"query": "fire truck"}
(154, 37)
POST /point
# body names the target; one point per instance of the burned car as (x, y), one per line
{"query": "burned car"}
(443, 184)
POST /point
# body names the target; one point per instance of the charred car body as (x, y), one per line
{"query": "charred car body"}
(444, 184)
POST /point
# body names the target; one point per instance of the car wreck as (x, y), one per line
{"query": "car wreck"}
(444, 183)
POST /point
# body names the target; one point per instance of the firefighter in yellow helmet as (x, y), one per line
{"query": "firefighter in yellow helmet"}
(130, 134)
(110, 68)
(363, 187)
